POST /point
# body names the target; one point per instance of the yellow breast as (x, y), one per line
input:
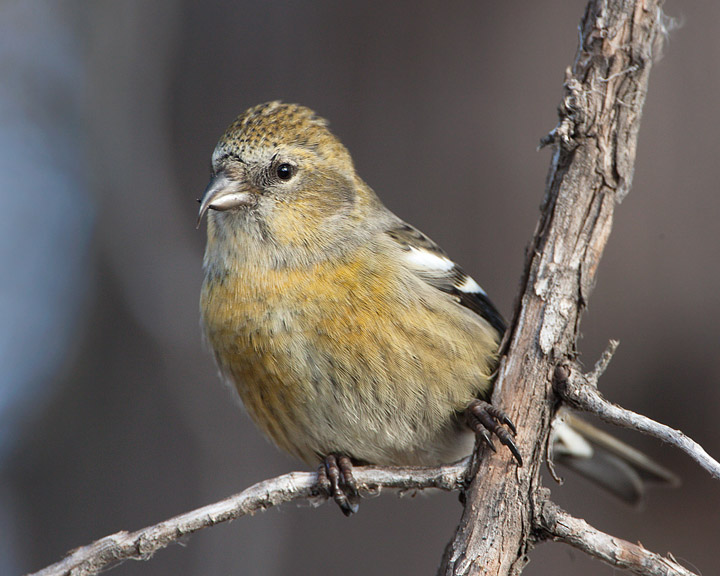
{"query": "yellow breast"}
(347, 357)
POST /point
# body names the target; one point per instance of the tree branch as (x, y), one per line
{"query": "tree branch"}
(142, 544)
(552, 523)
(558, 525)
(591, 171)
(580, 391)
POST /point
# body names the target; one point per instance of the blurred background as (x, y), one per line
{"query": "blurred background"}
(111, 413)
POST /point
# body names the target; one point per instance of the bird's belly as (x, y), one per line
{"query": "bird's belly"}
(321, 371)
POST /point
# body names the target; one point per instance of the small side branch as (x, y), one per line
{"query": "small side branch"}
(142, 544)
(580, 392)
(556, 524)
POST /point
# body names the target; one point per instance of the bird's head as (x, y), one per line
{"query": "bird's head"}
(279, 157)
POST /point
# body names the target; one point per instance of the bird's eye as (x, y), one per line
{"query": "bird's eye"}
(285, 171)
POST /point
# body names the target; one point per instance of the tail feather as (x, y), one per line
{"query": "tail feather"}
(620, 469)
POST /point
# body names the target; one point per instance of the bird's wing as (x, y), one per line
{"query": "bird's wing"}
(432, 264)
(603, 459)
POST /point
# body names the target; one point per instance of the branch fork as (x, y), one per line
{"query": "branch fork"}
(580, 391)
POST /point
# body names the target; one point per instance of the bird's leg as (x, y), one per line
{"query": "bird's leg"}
(335, 477)
(486, 419)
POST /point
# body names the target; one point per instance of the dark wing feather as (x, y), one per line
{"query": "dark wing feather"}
(434, 266)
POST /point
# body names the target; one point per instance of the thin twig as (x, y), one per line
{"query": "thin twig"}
(142, 544)
(602, 364)
(558, 525)
(581, 393)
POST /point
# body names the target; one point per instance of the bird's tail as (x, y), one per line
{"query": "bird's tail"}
(618, 468)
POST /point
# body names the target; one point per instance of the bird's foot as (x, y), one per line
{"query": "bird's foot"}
(335, 478)
(486, 419)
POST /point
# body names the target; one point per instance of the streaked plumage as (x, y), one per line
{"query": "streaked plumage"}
(344, 329)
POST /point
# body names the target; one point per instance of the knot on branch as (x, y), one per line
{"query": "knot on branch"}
(572, 385)
(569, 380)
(571, 115)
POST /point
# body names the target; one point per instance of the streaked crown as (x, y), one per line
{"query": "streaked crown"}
(277, 126)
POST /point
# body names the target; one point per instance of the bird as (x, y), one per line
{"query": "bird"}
(349, 335)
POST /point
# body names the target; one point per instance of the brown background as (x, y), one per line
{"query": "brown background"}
(442, 108)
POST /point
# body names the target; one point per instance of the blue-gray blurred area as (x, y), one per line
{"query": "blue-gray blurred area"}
(46, 227)
(111, 414)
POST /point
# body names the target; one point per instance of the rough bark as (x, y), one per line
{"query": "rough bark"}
(591, 171)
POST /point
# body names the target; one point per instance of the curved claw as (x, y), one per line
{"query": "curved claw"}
(514, 449)
(486, 419)
(336, 479)
(481, 431)
(500, 415)
(509, 424)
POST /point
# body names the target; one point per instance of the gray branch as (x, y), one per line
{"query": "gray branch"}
(552, 522)
(580, 392)
(142, 544)
(591, 171)
(558, 525)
